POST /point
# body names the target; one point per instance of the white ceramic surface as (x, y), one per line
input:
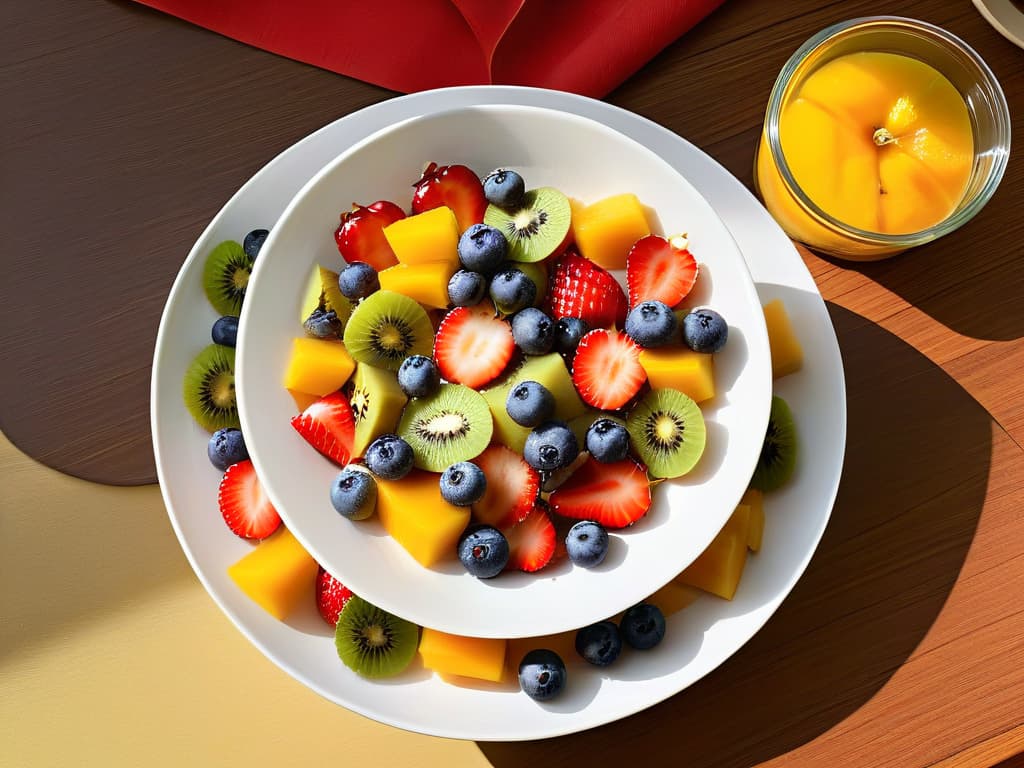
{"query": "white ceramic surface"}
(587, 161)
(699, 638)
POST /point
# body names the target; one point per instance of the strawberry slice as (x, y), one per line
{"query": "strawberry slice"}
(606, 369)
(328, 425)
(614, 495)
(243, 504)
(331, 596)
(580, 288)
(532, 542)
(455, 186)
(512, 486)
(472, 345)
(659, 270)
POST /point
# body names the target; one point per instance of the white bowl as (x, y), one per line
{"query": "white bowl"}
(585, 160)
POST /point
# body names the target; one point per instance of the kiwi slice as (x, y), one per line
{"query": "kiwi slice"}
(535, 229)
(322, 292)
(385, 328)
(454, 424)
(377, 402)
(667, 431)
(372, 642)
(209, 388)
(777, 461)
(225, 277)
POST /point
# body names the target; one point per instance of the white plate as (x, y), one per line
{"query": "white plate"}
(699, 638)
(588, 161)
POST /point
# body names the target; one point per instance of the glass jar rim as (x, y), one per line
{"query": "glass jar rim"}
(959, 217)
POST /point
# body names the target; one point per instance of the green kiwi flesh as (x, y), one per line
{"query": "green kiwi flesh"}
(226, 276)
(322, 292)
(454, 424)
(372, 642)
(777, 461)
(536, 229)
(385, 328)
(668, 433)
(377, 402)
(209, 388)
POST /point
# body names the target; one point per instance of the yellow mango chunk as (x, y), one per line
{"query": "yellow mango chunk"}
(426, 283)
(605, 231)
(787, 354)
(904, 181)
(692, 373)
(318, 366)
(413, 512)
(302, 399)
(718, 568)
(477, 657)
(278, 575)
(673, 597)
(429, 236)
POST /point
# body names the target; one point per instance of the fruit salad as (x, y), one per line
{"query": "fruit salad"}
(490, 393)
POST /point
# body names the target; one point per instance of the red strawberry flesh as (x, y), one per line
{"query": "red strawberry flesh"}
(512, 486)
(455, 186)
(244, 505)
(531, 542)
(656, 270)
(615, 495)
(331, 596)
(580, 288)
(606, 369)
(472, 346)
(328, 425)
(360, 235)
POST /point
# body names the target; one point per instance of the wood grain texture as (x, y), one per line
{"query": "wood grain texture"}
(903, 644)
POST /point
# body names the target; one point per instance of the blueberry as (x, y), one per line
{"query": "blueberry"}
(358, 280)
(652, 324)
(542, 674)
(550, 446)
(389, 457)
(354, 493)
(642, 626)
(600, 643)
(466, 288)
(512, 290)
(529, 403)
(586, 544)
(463, 484)
(607, 441)
(482, 249)
(323, 324)
(704, 330)
(483, 550)
(568, 332)
(254, 242)
(504, 188)
(225, 331)
(418, 376)
(533, 331)
(226, 447)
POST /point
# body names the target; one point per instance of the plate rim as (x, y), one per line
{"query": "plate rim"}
(508, 94)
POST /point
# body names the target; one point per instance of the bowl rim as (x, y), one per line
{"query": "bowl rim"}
(747, 287)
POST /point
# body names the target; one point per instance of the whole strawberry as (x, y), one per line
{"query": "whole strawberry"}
(455, 186)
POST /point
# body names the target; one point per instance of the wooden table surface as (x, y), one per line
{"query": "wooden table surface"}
(126, 130)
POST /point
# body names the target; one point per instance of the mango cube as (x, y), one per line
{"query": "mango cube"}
(673, 597)
(302, 399)
(606, 230)
(718, 568)
(429, 236)
(692, 373)
(753, 499)
(426, 283)
(278, 575)
(318, 366)
(413, 512)
(482, 658)
(787, 354)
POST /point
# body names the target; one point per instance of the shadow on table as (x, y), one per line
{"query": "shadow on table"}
(913, 488)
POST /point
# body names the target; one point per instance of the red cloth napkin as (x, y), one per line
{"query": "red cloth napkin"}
(584, 46)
